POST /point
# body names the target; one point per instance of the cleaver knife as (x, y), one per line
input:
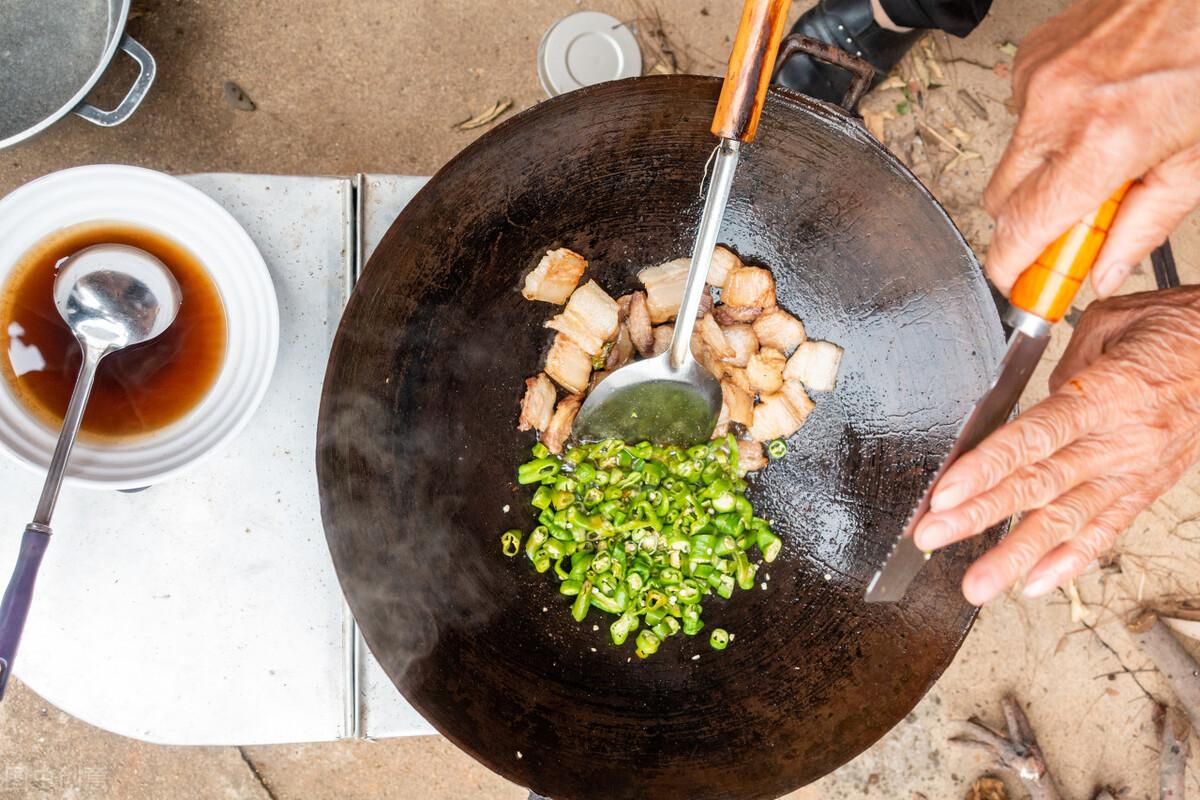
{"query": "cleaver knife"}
(1040, 298)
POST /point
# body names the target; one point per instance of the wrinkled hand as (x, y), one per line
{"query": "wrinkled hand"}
(1106, 93)
(1120, 426)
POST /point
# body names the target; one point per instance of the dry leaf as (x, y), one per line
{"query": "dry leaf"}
(876, 122)
(987, 789)
(959, 133)
(893, 82)
(965, 155)
(1008, 48)
(922, 69)
(1079, 611)
(936, 69)
(492, 114)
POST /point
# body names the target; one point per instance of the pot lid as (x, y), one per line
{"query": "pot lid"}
(586, 48)
(49, 52)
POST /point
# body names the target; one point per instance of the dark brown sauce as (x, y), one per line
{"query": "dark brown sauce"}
(138, 390)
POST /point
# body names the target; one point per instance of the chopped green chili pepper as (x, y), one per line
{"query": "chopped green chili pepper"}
(689, 592)
(542, 498)
(647, 643)
(654, 616)
(605, 603)
(559, 571)
(769, 544)
(745, 571)
(719, 638)
(643, 532)
(777, 448)
(510, 543)
(669, 576)
(535, 541)
(538, 470)
(622, 627)
(583, 600)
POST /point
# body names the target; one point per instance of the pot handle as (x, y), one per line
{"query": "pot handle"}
(135, 95)
(749, 74)
(861, 72)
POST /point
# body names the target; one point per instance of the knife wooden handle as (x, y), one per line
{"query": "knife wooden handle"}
(1047, 288)
(750, 66)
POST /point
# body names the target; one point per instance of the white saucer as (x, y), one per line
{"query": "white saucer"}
(161, 203)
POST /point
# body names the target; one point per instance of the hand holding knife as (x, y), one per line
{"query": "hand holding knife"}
(1040, 298)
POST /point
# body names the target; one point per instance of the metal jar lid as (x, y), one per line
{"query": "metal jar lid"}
(586, 48)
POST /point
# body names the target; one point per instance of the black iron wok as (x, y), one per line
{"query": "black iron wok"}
(418, 448)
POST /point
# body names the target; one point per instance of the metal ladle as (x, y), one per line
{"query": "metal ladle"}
(672, 398)
(111, 297)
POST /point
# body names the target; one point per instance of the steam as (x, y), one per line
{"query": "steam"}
(404, 563)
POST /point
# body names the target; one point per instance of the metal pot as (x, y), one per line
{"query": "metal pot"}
(52, 52)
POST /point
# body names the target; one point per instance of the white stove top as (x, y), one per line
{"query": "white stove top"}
(205, 610)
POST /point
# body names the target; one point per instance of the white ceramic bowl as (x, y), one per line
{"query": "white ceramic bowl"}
(183, 213)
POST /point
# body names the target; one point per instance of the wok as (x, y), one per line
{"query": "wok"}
(418, 448)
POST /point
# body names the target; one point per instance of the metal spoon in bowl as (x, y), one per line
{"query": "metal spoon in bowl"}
(671, 398)
(111, 297)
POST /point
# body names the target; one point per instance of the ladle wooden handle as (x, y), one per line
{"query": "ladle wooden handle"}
(750, 67)
(1047, 287)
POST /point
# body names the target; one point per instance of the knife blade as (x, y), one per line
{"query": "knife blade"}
(1040, 298)
(906, 559)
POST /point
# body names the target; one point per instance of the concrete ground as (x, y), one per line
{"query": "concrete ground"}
(378, 86)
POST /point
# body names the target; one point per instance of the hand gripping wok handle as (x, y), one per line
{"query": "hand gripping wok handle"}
(15, 606)
(1047, 288)
(750, 66)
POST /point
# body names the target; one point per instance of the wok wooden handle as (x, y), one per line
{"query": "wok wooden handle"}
(1047, 288)
(750, 67)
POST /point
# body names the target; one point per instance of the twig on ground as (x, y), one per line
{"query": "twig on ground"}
(1173, 661)
(491, 115)
(1124, 668)
(940, 139)
(1173, 733)
(1017, 753)
(969, 62)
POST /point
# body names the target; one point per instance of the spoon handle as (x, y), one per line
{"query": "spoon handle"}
(724, 166)
(70, 429)
(15, 607)
(743, 93)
